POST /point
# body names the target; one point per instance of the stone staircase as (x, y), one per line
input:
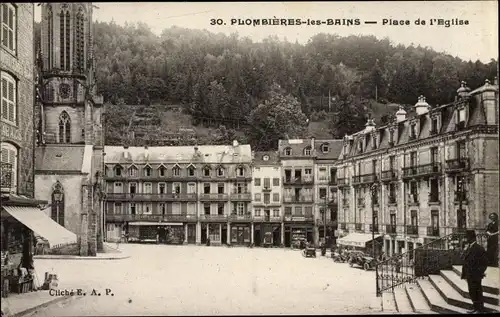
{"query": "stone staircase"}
(443, 293)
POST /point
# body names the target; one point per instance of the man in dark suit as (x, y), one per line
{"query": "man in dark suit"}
(475, 264)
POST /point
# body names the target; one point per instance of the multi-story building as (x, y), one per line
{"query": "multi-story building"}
(297, 161)
(179, 194)
(423, 176)
(267, 196)
(20, 212)
(325, 188)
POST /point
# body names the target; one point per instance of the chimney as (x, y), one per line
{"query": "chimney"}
(400, 114)
(463, 91)
(370, 125)
(312, 144)
(421, 107)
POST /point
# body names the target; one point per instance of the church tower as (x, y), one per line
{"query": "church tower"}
(70, 134)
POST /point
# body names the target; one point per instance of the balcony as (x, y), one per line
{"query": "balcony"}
(391, 199)
(268, 204)
(238, 177)
(434, 198)
(432, 231)
(460, 197)
(136, 217)
(299, 218)
(361, 201)
(412, 230)
(267, 189)
(150, 197)
(298, 200)
(358, 227)
(5, 177)
(241, 197)
(376, 228)
(240, 218)
(457, 165)
(390, 229)
(305, 180)
(364, 179)
(388, 176)
(424, 170)
(272, 219)
(214, 197)
(213, 218)
(343, 182)
(413, 199)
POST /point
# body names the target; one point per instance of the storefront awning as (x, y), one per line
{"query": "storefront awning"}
(357, 239)
(43, 225)
(145, 223)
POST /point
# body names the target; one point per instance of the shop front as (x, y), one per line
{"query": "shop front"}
(267, 235)
(362, 242)
(294, 233)
(240, 234)
(156, 232)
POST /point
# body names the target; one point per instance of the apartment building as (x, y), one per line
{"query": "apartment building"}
(297, 161)
(325, 187)
(267, 199)
(179, 194)
(425, 175)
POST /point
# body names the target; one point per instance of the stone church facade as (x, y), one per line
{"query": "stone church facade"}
(69, 121)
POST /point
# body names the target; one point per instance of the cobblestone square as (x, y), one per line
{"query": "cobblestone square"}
(199, 280)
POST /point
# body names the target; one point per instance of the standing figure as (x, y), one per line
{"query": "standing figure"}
(475, 264)
(492, 242)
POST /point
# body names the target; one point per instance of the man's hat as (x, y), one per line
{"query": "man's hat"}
(470, 235)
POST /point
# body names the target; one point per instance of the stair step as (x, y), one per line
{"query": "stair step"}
(388, 303)
(490, 282)
(461, 287)
(402, 301)
(417, 300)
(436, 301)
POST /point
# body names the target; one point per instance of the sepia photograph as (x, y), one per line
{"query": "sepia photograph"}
(249, 158)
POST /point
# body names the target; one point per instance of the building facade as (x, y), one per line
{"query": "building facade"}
(70, 140)
(267, 199)
(423, 176)
(179, 194)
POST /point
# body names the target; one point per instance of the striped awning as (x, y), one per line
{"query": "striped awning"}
(357, 239)
(145, 223)
(43, 225)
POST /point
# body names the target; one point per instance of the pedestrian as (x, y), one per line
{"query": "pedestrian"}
(475, 264)
(492, 242)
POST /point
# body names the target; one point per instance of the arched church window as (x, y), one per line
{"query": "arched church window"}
(68, 40)
(57, 204)
(50, 33)
(80, 41)
(64, 128)
(61, 40)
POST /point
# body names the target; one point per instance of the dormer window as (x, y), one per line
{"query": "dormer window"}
(325, 148)
(176, 171)
(118, 171)
(220, 171)
(461, 114)
(360, 146)
(307, 151)
(132, 171)
(434, 125)
(240, 171)
(147, 171)
(413, 131)
(191, 171)
(391, 137)
(206, 171)
(374, 141)
(288, 151)
(162, 171)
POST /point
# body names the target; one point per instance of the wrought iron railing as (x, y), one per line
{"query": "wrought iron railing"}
(411, 229)
(374, 228)
(430, 258)
(433, 231)
(457, 164)
(390, 229)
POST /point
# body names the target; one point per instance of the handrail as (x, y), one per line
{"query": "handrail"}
(426, 259)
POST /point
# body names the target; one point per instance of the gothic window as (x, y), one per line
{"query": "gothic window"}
(50, 30)
(64, 128)
(57, 205)
(80, 44)
(67, 40)
(61, 40)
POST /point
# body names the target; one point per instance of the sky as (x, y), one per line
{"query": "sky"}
(477, 40)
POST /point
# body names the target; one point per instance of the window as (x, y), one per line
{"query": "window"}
(413, 188)
(64, 128)
(220, 188)
(374, 141)
(118, 188)
(240, 208)
(163, 208)
(434, 126)
(9, 102)
(8, 169)
(435, 219)
(148, 208)
(393, 219)
(206, 209)
(162, 171)
(257, 212)
(117, 208)
(220, 208)
(461, 218)
(257, 196)
(176, 171)
(276, 181)
(133, 208)
(191, 171)
(220, 171)
(374, 166)
(324, 148)
(206, 188)
(57, 212)
(307, 151)
(276, 197)
(288, 211)
(267, 198)
(67, 42)
(132, 188)
(176, 188)
(132, 171)
(391, 137)
(414, 218)
(162, 188)
(308, 212)
(267, 182)
(288, 151)
(256, 181)
(461, 150)
(461, 115)
(176, 208)
(240, 171)
(80, 41)
(276, 212)
(413, 131)
(206, 171)
(9, 27)
(413, 158)
(322, 193)
(434, 155)
(191, 188)
(147, 171)
(298, 211)
(392, 162)
(148, 188)
(308, 172)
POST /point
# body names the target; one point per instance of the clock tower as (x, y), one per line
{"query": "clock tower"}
(70, 135)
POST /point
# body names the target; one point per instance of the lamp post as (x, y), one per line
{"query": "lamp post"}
(373, 192)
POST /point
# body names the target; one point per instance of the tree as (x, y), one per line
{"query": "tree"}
(348, 117)
(277, 118)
